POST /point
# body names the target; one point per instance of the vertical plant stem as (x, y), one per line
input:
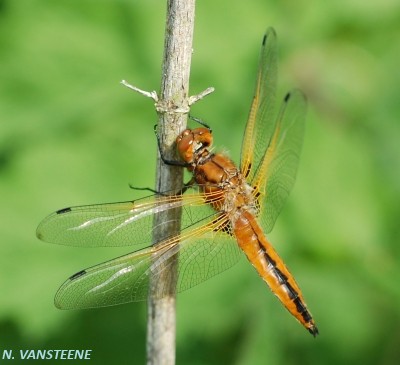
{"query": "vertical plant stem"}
(173, 107)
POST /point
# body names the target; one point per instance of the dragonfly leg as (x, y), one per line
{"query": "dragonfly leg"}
(188, 185)
(158, 192)
(185, 187)
(198, 120)
(165, 160)
(147, 189)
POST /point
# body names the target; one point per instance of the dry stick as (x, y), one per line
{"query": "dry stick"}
(161, 317)
(173, 106)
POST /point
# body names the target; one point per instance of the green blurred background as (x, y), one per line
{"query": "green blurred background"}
(70, 134)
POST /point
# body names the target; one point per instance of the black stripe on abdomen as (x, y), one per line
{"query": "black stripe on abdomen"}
(292, 293)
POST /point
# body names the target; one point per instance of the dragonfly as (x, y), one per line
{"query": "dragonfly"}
(226, 211)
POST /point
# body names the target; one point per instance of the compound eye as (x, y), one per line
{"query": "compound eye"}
(203, 137)
(184, 144)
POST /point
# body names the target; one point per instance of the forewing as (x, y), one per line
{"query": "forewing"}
(117, 224)
(277, 172)
(202, 251)
(261, 120)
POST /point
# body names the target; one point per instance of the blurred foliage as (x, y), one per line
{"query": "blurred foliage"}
(71, 134)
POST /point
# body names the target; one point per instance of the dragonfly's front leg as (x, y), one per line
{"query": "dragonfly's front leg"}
(165, 160)
(202, 122)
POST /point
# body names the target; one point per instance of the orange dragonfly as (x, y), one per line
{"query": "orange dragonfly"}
(225, 211)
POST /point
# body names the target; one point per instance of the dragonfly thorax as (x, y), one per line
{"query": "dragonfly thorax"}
(224, 186)
(238, 197)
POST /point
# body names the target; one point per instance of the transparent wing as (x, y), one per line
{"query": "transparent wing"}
(204, 250)
(261, 122)
(118, 224)
(276, 174)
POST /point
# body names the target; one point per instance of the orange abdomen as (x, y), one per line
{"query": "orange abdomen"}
(271, 268)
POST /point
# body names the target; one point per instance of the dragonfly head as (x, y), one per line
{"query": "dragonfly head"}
(192, 142)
